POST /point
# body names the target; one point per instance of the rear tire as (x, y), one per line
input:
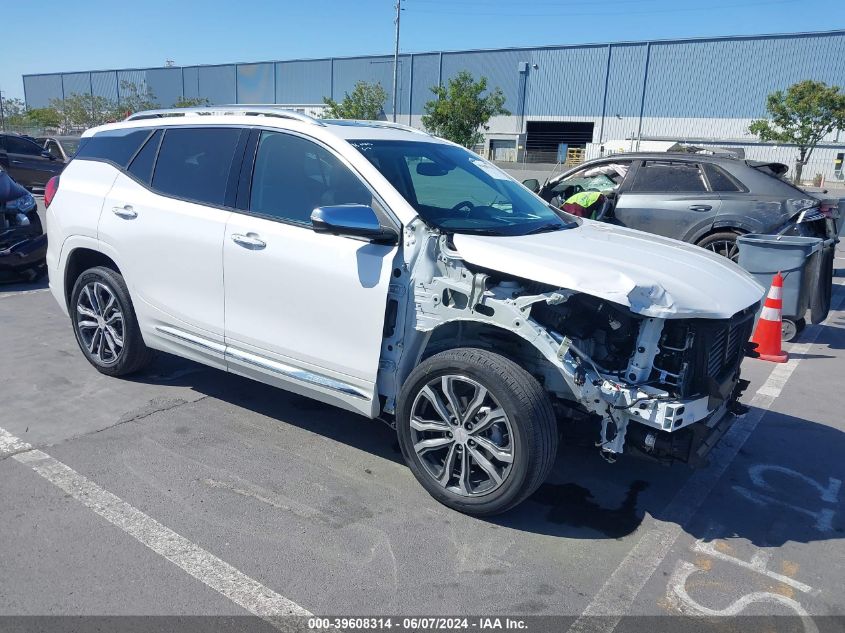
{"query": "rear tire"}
(494, 448)
(722, 243)
(105, 325)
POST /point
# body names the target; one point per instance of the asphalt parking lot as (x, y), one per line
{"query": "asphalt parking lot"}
(186, 491)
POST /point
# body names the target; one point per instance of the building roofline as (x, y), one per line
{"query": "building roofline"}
(802, 34)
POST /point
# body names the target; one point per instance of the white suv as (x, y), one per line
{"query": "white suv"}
(376, 268)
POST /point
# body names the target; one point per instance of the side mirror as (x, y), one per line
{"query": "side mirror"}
(351, 220)
(533, 184)
(47, 154)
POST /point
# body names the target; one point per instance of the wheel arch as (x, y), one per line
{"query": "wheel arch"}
(462, 333)
(81, 259)
(724, 228)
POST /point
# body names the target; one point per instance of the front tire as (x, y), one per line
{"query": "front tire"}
(105, 325)
(722, 243)
(477, 430)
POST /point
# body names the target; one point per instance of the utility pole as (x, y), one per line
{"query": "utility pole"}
(396, 57)
(2, 114)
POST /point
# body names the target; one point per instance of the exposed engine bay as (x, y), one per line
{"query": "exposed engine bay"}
(662, 388)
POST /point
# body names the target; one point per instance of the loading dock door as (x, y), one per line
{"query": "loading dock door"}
(545, 137)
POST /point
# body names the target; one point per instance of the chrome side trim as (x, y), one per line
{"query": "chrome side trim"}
(296, 373)
(198, 341)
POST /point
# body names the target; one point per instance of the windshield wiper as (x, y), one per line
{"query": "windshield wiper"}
(547, 228)
(474, 231)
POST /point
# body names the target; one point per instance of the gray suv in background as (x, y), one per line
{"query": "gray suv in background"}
(701, 199)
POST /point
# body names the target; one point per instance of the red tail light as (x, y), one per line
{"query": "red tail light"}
(50, 190)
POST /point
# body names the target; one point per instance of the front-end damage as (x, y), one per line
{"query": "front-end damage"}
(656, 387)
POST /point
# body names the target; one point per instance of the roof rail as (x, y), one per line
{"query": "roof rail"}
(218, 110)
(381, 124)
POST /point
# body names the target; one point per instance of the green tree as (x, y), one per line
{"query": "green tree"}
(84, 110)
(14, 112)
(366, 103)
(462, 110)
(135, 99)
(802, 116)
(44, 117)
(190, 102)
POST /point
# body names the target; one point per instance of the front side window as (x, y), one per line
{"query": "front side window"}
(54, 150)
(293, 176)
(604, 178)
(657, 176)
(458, 192)
(194, 163)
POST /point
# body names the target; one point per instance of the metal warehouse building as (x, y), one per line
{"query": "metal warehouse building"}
(600, 97)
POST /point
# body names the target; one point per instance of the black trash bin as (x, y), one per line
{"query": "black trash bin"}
(797, 259)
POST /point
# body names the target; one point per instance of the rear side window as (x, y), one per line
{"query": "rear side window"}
(142, 165)
(194, 163)
(719, 180)
(114, 146)
(668, 177)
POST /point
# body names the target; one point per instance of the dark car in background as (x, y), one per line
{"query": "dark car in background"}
(23, 244)
(28, 162)
(702, 199)
(62, 148)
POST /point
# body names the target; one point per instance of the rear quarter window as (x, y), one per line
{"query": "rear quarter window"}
(721, 181)
(113, 146)
(142, 165)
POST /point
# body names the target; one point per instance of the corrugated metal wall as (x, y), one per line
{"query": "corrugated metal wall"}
(674, 88)
(256, 83)
(303, 81)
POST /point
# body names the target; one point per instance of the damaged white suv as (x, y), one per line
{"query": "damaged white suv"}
(376, 268)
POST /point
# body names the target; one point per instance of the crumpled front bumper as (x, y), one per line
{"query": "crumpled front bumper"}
(690, 445)
(20, 253)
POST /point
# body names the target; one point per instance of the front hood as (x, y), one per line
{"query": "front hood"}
(654, 276)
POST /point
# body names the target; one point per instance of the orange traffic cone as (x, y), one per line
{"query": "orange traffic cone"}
(767, 336)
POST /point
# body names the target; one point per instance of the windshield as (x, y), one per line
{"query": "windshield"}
(70, 147)
(458, 192)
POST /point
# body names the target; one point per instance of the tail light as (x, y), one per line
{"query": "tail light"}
(50, 190)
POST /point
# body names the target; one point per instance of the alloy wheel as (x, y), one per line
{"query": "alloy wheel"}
(462, 436)
(725, 248)
(99, 321)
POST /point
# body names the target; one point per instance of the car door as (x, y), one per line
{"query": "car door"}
(304, 310)
(164, 219)
(667, 197)
(27, 164)
(54, 149)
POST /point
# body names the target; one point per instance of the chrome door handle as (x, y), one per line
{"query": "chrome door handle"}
(126, 212)
(700, 207)
(250, 241)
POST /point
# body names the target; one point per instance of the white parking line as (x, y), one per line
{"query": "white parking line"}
(202, 565)
(617, 595)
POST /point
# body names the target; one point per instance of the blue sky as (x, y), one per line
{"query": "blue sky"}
(99, 34)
